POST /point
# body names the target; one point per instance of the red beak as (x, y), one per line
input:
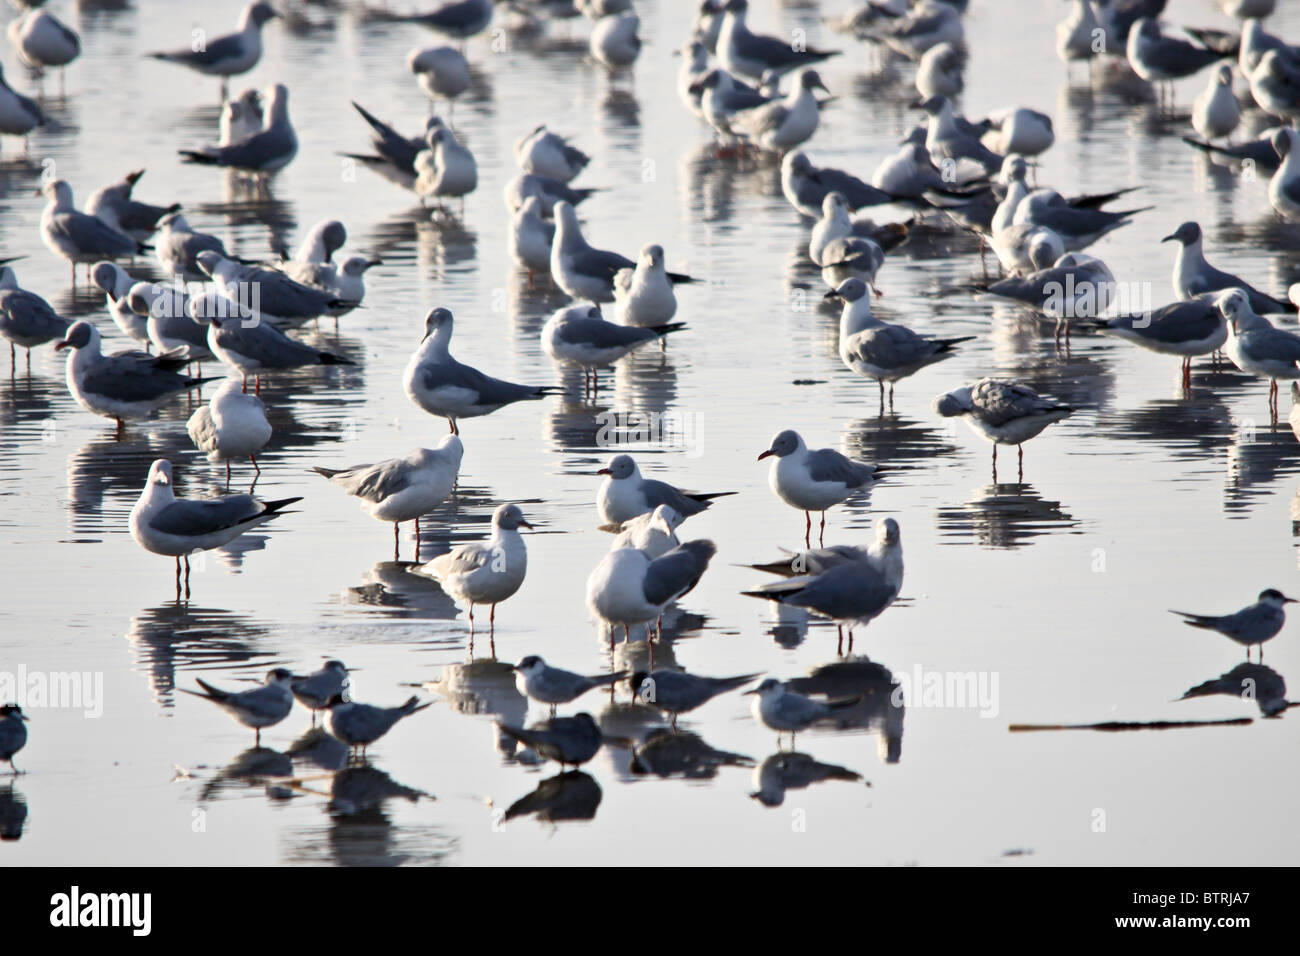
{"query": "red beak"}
(603, 471)
(765, 454)
(62, 345)
(525, 524)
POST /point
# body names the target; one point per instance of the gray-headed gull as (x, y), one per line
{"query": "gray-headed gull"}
(813, 479)
(579, 336)
(624, 494)
(1256, 347)
(232, 425)
(26, 319)
(267, 151)
(549, 154)
(486, 572)
(628, 588)
(77, 237)
(228, 55)
(750, 54)
(1193, 275)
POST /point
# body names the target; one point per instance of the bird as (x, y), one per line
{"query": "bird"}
(1275, 84)
(545, 153)
(939, 72)
(41, 41)
(1284, 186)
(677, 692)
(114, 205)
(1077, 34)
(315, 690)
(1159, 58)
(178, 527)
(1193, 275)
(263, 706)
(19, 114)
(442, 72)
(654, 532)
(885, 554)
(778, 707)
(267, 151)
(628, 588)
(73, 235)
(1019, 131)
(808, 187)
(643, 295)
(745, 53)
(1002, 412)
(177, 247)
(460, 19)
(530, 238)
(879, 350)
(232, 425)
(1216, 112)
(394, 154)
(486, 572)
(444, 169)
(121, 386)
(852, 257)
(228, 55)
(782, 125)
(240, 117)
(723, 97)
(1187, 329)
(615, 42)
(545, 684)
(272, 293)
(1255, 346)
(1077, 287)
(440, 385)
(26, 319)
(360, 725)
(1254, 624)
(581, 270)
(813, 480)
(13, 734)
(624, 494)
(403, 489)
(579, 336)
(167, 322)
(116, 283)
(569, 741)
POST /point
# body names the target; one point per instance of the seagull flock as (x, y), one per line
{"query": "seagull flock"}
(759, 97)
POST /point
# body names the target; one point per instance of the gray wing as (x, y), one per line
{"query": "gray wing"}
(251, 153)
(890, 346)
(266, 345)
(797, 709)
(846, 591)
(598, 262)
(854, 190)
(222, 48)
(1178, 56)
(761, 119)
(191, 244)
(28, 315)
(1071, 221)
(661, 493)
(1276, 343)
(283, 296)
(677, 572)
(92, 234)
(600, 334)
(826, 464)
(491, 391)
(1187, 321)
(129, 379)
(195, 518)
(468, 557)
(1000, 402)
(374, 482)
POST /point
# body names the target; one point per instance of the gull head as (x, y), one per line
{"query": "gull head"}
(13, 710)
(111, 278)
(530, 665)
(736, 7)
(811, 80)
(212, 263)
(509, 518)
(174, 221)
(951, 404)
(435, 321)
(666, 517)
(799, 163)
(834, 204)
(1283, 138)
(850, 290)
(887, 532)
(260, 13)
(566, 217)
(337, 667)
(57, 191)
(1186, 234)
(652, 255)
(785, 443)
(933, 106)
(711, 81)
(279, 675)
(357, 265)
(1274, 597)
(1014, 168)
(79, 336)
(333, 234)
(160, 473)
(1223, 75)
(771, 687)
(1234, 306)
(619, 467)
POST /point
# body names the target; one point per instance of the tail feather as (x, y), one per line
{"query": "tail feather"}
(1196, 620)
(604, 680)
(194, 156)
(327, 472)
(708, 497)
(665, 329)
(279, 504)
(413, 706)
(678, 278)
(329, 358)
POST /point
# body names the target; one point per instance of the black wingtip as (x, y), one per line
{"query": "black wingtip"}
(329, 358)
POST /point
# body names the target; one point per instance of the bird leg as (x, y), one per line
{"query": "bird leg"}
(821, 535)
(995, 463)
(1020, 460)
(807, 529)
(396, 555)
(253, 459)
(417, 540)
(452, 422)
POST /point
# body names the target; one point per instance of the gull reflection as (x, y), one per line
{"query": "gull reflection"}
(395, 589)
(566, 796)
(256, 767)
(105, 475)
(1257, 457)
(1003, 516)
(1251, 682)
(668, 753)
(484, 688)
(880, 706)
(1192, 428)
(444, 244)
(13, 812)
(789, 770)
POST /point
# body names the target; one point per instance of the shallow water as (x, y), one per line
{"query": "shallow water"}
(1056, 588)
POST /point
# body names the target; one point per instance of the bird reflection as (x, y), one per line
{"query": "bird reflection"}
(789, 770)
(396, 590)
(1193, 428)
(105, 475)
(180, 635)
(355, 790)
(566, 796)
(880, 706)
(321, 749)
(895, 439)
(13, 812)
(669, 753)
(444, 244)
(484, 688)
(255, 767)
(1257, 457)
(1003, 516)
(1250, 682)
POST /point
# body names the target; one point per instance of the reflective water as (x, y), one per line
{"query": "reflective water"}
(1056, 586)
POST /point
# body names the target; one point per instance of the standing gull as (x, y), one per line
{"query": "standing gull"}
(1002, 412)
(654, 532)
(460, 19)
(1256, 347)
(1216, 112)
(615, 42)
(115, 282)
(750, 54)
(443, 73)
(232, 425)
(41, 41)
(394, 154)
(813, 480)
(26, 319)
(530, 238)
(265, 152)
(579, 269)
(548, 154)
(315, 690)
(1193, 275)
(114, 205)
(177, 247)
(272, 293)
(1186, 329)
(628, 588)
(13, 734)
(445, 169)
(73, 235)
(231, 54)
(782, 125)
(19, 115)
(578, 335)
(545, 684)
(624, 494)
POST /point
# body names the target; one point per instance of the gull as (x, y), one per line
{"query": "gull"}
(13, 734)
(19, 115)
(879, 350)
(165, 309)
(1193, 275)
(1002, 412)
(676, 692)
(232, 425)
(853, 257)
(1076, 35)
(628, 588)
(615, 43)
(708, 23)
(1025, 247)
(124, 385)
(940, 71)
(445, 169)
(321, 242)
(1078, 228)
(1159, 58)
(910, 174)
(315, 690)
(779, 708)
(549, 154)
(643, 296)
(723, 98)
(924, 27)
(599, 9)
(694, 68)
(260, 707)
(582, 271)
(394, 154)
(440, 385)
(624, 494)
(115, 282)
(240, 118)
(749, 54)
(580, 337)
(1248, 9)
(403, 489)
(42, 40)
(269, 292)
(1255, 624)
(240, 336)
(860, 22)
(813, 480)
(1275, 85)
(77, 237)
(530, 238)
(1256, 347)
(545, 190)
(359, 725)
(781, 125)
(553, 685)
(267, 151)
(885, 554)
(177, 246)
(460, 19)
(569, 741)
(654, 532)
(1216, 112)
(946, 140)
(1075, 287)
(114, 205)
(837, 223)
(175, 527)
(1118, 17)
(345, 281)
(26, 319)
(1255, 42)
(1284, 187)
(1187, 329)
(1019, 131)
(231, 54)
(442, 72)
(486, 572)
